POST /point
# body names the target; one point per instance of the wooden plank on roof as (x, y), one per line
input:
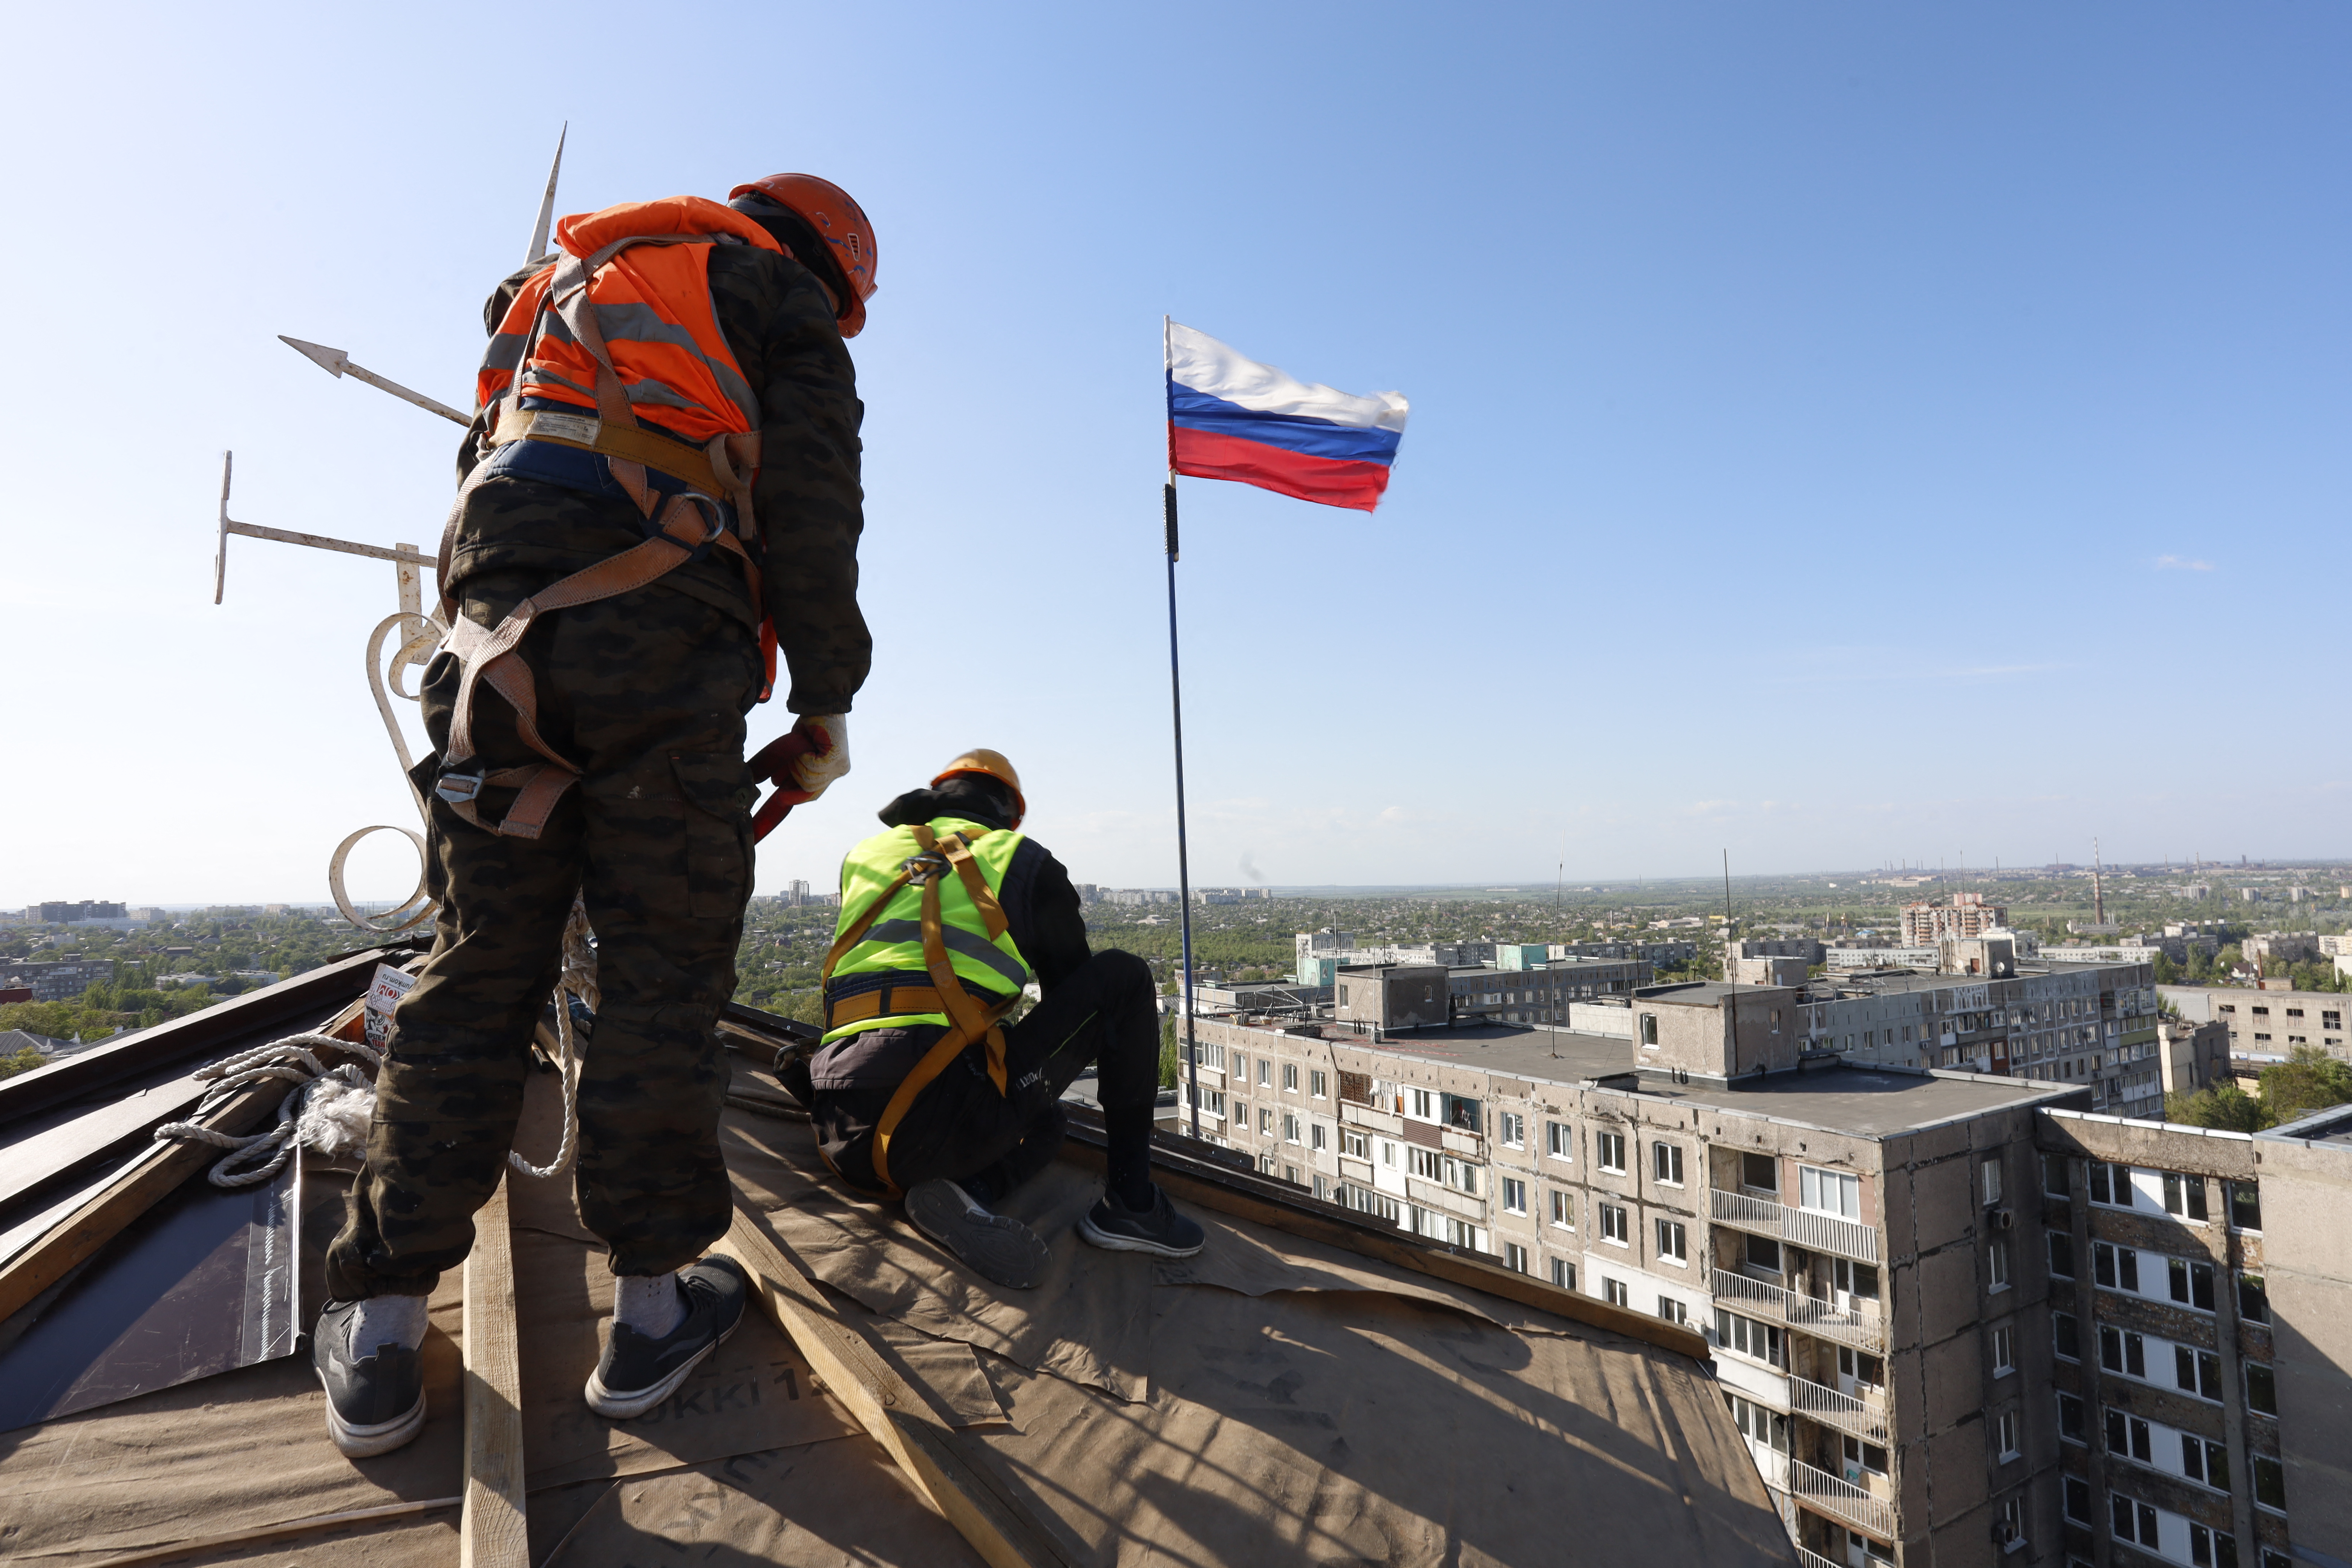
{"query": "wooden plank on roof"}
(491, 1530)
(948, 1467)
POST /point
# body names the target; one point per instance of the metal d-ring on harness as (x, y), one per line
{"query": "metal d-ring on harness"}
(968, 1018)
(688, 526)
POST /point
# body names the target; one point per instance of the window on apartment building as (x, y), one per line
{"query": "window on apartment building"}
(1241, 1116)
(2191, 1283)
(2070, 1418)
(2116, 1268)
(2262, 1387)
(1289, 1128)
(1290, 1077)
(1317, 1136)
(1612, 1151)
(2053, 1175)
(2109, 1183)
(1388, 1152)
(1563, 1274)
(1319, 1085)
(2062, 1254)
(1613, 1227)
(1323, 1187)
(2245, 1200)
(1515, 1257)
(1354, 1144)
(1512, 1128)
(2262, 1011)
(2129, 1437)
(2295, 1012)
(1759, 1171)
(2331, 1020)
(1558, 1141)
(1759, 1424)
(2077, 1499)
(2204, 1461)
(1355, 1087)
(1649, 1029)
(1674, 1241)
(1514, 1196)
(2201, 1549)
(2229, 1007)
(2012, 1523)
(1866, 1457)
(2122, 1349)
(2133, 1520)
(1666, 1164)
(1761, 1341)
(1868, 1371)
(1265, 1072)
(1613, 1291)
(2254, 1301)
(1266, 1120)
(1425, 1105)
(2004, 1351)
(1343, 994)
(1290, 1174)
(1673, 1311)
(1988, 1181)
(2261, 1039)
(1429, 1164)
(1265, 1162)
(1829, 1192)
(1763, 1252)
(2270, 1482)
(2004, 1436)
(1563, 1210)
(2193, 1371)
(2184, 1196)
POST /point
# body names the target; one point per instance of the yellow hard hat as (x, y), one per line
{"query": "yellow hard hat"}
(987, 764)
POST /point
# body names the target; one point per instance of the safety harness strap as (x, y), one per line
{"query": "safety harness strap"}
(489, 654)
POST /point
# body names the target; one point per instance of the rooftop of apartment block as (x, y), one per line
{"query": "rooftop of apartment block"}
(1868, 1101)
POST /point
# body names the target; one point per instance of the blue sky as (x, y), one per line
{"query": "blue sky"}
(1840, 433)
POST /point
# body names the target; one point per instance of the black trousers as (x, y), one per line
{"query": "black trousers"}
(1102, 1014)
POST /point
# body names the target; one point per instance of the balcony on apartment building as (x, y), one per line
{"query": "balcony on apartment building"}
(1853, 1325)
(1805, 1228)
(1808, 1558)
(1843, 1500)
(1858, 1418)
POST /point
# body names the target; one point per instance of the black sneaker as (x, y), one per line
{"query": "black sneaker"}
(1158, 1230)
(996, 1248)
(375, 1402)
(638, 1370)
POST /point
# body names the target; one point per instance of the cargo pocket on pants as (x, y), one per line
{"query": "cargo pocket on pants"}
(718, 788)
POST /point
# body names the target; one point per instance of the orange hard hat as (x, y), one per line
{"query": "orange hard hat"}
(988, 764)
(838, 221)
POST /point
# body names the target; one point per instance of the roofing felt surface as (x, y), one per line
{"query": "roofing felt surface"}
(1860, 1100)
(1274, 1399)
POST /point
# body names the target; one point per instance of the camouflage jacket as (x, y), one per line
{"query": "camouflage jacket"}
(810, 504)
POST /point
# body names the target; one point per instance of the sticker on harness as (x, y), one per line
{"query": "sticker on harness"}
(567, 428)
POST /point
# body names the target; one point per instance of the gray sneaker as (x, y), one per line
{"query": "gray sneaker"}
(996, 1248)
(638, 1370)
(1158, 1230)
(375, 1403)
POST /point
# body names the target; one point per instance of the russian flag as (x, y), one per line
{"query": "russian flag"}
(1234, 419)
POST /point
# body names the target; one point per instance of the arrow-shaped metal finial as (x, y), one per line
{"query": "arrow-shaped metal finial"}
(338, 363)
(547, 202)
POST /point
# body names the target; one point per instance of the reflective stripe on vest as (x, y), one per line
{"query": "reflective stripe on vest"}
(653, 303)
(894, 943)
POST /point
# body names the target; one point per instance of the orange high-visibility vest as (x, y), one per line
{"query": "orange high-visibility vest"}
(652, 302)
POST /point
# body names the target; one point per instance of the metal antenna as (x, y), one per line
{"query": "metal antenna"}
(547, 202)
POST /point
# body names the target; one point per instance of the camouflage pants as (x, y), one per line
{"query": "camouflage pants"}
(647, 692)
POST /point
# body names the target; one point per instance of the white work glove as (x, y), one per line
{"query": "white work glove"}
(827, 757)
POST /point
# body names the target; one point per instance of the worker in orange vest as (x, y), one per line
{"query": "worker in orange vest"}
(659, 493)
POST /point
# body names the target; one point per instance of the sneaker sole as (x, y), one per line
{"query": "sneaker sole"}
(1000, 1250)
(366, 1442)
(1112, 1241)
(624, 1406)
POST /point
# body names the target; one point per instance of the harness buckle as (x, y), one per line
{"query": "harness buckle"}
(458, 789)
(921, 868)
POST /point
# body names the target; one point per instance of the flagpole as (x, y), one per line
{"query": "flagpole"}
(1176, 698)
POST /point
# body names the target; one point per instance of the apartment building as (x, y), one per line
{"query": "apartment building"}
(2267, 1023)
(55, 980)
(1967, 915)
(2202, 1339)
(1877, 1323)
(1425, 996)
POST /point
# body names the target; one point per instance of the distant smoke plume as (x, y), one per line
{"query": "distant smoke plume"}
(1249, 867)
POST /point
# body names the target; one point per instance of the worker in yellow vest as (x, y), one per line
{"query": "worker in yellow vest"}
(921, 1088)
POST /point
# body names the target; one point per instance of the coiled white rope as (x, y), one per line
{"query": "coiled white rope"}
(327, 1110)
